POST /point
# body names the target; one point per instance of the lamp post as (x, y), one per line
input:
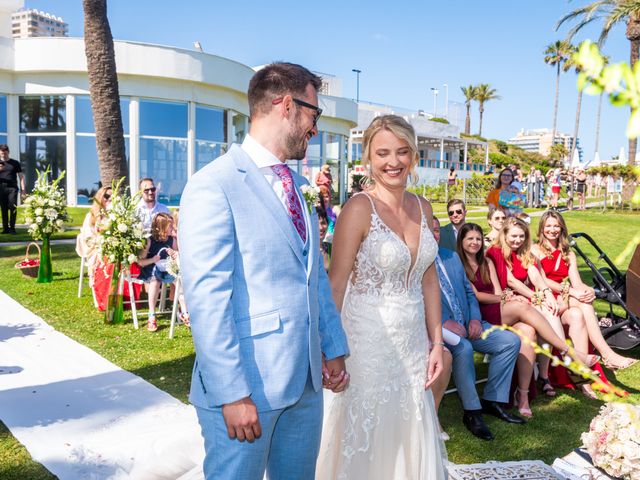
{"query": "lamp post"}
(357, 72)
(446, 101)
(435, 101)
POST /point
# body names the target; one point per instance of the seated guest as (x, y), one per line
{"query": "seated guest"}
(503, 183)
(499, 306)
(495, 219)
(149, 207)
(86, 246)
(161, 245)
(519, 270)
(561, 269)
(448, 234)
(461, 315)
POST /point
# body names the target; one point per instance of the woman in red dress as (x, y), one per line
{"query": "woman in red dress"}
(519, 270)
(561, 269)
(504, 307)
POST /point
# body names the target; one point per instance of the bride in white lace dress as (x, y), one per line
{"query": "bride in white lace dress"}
(384, 425)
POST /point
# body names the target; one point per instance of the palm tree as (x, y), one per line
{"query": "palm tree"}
(611, 12)
(469, 95)
(568, 65)
(556, 54)
(103, 87)
(484, 93)
(598, 115)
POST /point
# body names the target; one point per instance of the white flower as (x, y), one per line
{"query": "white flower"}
(39, 212)
(39, 220)
(59, 222)
(131, 258)
(122, 227)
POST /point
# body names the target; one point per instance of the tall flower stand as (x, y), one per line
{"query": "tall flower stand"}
(114, 313)
(45, 271)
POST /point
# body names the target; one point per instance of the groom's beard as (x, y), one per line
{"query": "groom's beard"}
(296, 144)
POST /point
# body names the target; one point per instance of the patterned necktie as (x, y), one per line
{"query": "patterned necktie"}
(293, 203)
(447, 290)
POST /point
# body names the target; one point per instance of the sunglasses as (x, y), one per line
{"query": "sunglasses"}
(302, 103)
(456, 212)
(150, 190)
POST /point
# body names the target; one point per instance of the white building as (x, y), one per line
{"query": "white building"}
(539, 141)
(181, 109)
(32, 23)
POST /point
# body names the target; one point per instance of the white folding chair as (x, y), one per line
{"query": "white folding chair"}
(81, 278)
(174, 312)
(134, 310)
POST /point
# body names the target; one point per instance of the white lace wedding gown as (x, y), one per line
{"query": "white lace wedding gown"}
(384, 425)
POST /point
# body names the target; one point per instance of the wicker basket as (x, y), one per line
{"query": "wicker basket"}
(30, 269)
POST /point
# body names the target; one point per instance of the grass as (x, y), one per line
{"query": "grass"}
(554, 430)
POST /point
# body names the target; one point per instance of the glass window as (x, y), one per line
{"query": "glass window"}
(165, 161)
(163, 119)
(332, 146)
(3, 139)
(43, 114)
(210, 124)
(87, 168)
(314, 149)
(84, 115)
(3, 115)
(240, 124)
(38, 153)
(206, 152)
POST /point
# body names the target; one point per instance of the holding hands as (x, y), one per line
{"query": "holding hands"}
(334, 374)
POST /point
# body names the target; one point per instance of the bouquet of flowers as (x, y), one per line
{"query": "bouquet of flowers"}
(613, 440)
(120, 232)
(311, 196)
(46, 207)
(173, 266)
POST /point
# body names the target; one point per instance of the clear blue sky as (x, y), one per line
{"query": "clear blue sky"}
(403, 48)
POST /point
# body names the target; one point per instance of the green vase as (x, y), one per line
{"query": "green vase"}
(45, 272)
(114, 313)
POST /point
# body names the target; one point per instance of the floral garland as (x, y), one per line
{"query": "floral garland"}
(613, 440)
(121, 235)
(46, 207)
(537, 299)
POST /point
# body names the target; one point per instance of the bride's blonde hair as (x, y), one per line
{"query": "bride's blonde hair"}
(401, 129)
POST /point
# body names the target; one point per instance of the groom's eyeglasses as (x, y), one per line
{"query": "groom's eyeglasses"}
(302, 103)
(455, 212)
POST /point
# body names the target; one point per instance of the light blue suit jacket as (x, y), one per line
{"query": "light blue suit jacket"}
(260, 301)
(462, 288)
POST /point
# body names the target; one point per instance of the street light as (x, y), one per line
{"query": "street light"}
(435, 101)
(446, 101)
(357, 72)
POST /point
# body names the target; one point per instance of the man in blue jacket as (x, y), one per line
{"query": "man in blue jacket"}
(461, 315)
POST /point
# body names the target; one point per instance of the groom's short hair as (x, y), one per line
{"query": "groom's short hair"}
(276, 80)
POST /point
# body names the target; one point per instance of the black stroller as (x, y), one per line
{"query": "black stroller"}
(615, 288)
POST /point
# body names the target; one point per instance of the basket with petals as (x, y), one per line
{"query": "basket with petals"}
(29, 266)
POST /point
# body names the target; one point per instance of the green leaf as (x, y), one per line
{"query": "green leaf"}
(633, 127)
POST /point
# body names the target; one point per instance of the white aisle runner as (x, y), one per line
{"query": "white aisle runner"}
(83, 417)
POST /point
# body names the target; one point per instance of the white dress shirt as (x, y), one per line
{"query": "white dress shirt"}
(264, 160)
(146, 214)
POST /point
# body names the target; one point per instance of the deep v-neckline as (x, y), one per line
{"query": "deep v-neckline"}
(412, 261)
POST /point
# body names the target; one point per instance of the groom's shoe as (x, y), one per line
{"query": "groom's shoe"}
(497, 410)
(475, 424)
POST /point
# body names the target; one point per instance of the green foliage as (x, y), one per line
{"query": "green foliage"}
(473, 137)
(503, 147)
(626, 172)
(500, 160)
(439, 120)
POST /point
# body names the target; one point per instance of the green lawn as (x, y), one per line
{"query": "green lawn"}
(167, 363)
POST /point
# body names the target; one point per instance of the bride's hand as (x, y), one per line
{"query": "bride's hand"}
(435, 365)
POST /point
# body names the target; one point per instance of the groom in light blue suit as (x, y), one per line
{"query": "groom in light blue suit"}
(262, 313)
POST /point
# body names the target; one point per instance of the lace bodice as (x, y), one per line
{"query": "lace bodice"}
(383, 262)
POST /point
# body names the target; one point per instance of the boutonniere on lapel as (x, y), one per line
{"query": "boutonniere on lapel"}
(311, 196)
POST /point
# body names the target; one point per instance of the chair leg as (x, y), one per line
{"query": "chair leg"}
(132, 299)
(163, 298)
(81, 277)
(174, 311)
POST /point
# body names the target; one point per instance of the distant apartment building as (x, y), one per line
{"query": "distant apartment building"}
(539, 141)
(34, 23)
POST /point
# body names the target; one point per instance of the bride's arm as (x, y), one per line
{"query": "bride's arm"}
(351, 228)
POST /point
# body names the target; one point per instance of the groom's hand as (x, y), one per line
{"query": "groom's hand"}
(334, 374)
(241, 418)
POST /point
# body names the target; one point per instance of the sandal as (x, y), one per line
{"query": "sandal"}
(588, 392)
(152, 325)
(626, 363)
(525, 412)
(185, 319)
(547, 388)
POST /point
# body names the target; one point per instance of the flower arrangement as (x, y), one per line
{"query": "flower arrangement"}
(613, 440)
(121, 235)
(311, 196)
(173, 266)
(46, 207)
